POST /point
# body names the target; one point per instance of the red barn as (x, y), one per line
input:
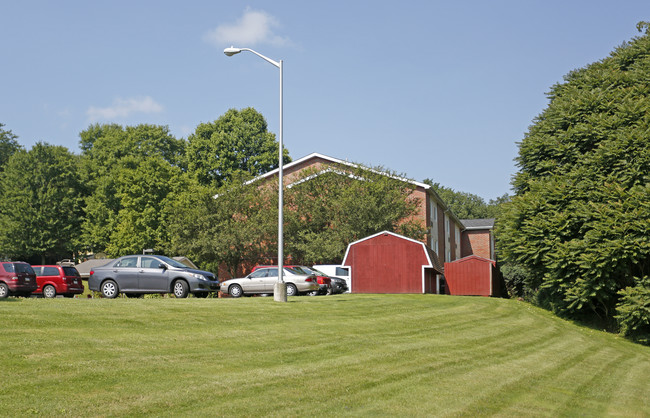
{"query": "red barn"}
(473, 276)
(390, 263)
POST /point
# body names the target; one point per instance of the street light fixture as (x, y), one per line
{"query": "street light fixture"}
(280, 287)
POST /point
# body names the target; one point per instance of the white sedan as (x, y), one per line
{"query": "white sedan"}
(262, 281)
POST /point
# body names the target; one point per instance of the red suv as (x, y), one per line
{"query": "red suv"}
(16, 278)
(58, 280)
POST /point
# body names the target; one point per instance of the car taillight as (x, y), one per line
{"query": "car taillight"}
(13, 279)
(92, 272)
(309, 279)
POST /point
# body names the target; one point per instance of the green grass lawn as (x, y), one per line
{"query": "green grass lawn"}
(417, 355)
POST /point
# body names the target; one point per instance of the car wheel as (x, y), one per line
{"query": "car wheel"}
(330, 290)
(235, 291)
(312, 293)
(109, 289)
(292, 290)
(201, 295)
(4, 290)
(49, 291)
(180, 289)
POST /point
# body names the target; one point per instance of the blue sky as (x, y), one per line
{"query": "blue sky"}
(429, 89)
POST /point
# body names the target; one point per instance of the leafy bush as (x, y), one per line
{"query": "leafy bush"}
(580, 220)
(634, 311)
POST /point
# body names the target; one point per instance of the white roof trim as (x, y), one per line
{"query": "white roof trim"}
(335, 161)
(327, 170)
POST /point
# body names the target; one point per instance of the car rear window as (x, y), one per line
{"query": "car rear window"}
(70, 271)
(18, 268)
(300, 270)
(50, 271)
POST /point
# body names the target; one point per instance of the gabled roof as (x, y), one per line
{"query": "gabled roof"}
(336, 161)
(428, 189)
(473, 257)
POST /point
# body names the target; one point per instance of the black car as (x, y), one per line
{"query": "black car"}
(338, 285)
(140, 274)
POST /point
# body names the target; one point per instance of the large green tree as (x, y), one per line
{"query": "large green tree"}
(105, 144)
(233, 226)
(8, 145)
(332, 206)
(41, 204)
(324, 211)
(143, 188)
(118, 163)
(580, 221)
(236, 144)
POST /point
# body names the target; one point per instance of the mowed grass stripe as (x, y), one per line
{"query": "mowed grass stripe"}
(417, 355)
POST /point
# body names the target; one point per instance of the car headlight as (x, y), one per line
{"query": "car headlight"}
(199, 276)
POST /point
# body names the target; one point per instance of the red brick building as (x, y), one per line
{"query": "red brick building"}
(444, 236)
(478, 238)
(390, 263)
(476, 272)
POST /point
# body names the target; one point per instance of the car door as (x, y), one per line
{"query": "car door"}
(271, 279)
(125, 271)
(255, 282)
(153, 275)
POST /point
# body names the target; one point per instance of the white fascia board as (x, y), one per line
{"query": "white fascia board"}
(335, 161)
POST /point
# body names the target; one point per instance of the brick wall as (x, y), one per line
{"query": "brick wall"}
(476, 243)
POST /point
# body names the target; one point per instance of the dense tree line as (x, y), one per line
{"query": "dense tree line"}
(576, 235)
(467, 205)
(137, 187)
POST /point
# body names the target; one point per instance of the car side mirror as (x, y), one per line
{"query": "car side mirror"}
(163, 266)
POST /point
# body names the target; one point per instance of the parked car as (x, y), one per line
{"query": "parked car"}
(139, 274)
(324, 281)
(17, 278)
(338, 285)
(338, 271)
(263, 279)
(58, 280)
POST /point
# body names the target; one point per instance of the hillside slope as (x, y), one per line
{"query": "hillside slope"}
(419, 355)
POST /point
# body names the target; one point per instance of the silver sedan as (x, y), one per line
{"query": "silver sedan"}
(139, 274)
(262, 281)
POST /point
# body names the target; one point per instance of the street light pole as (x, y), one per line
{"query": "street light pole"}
(280, 287)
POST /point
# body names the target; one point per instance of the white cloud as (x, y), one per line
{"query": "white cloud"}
(254, 27)
(122, 108)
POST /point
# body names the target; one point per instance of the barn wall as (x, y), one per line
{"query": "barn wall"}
(386, 264)
(472, 277)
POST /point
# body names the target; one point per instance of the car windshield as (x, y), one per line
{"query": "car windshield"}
(172, 262)
(320, 273)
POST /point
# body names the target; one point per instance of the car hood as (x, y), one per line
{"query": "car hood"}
(188, 270)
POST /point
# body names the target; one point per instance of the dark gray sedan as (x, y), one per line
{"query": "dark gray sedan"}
(139, 274)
